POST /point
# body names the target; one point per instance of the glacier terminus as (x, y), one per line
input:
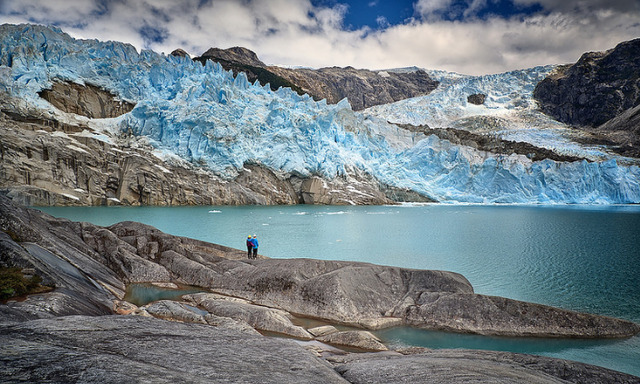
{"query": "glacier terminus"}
(206, 116)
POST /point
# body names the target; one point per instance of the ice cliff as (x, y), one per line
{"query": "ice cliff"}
(206, 116)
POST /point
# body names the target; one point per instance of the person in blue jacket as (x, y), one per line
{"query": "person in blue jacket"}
(255, 246)
(249, 246)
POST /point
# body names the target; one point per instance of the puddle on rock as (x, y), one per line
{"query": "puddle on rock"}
(145, 293)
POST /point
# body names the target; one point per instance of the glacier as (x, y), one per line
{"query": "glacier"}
(207, 117)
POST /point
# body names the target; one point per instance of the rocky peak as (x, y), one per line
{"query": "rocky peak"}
(597, 88)
(234, 54)
(180, 53)
(362, 87)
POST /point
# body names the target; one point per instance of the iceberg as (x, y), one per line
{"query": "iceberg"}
(206, 116)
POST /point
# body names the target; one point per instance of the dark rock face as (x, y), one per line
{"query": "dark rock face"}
(477, 99)
(599, 87)
(180, 53)
(234, 54)
(85, 100)
(621, 134)
(363, 88)
(490, 143)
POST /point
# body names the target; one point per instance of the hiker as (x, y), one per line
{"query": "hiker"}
(255, 246)
(249, 246)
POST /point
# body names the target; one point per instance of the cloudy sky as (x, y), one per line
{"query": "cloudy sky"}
(466, 36)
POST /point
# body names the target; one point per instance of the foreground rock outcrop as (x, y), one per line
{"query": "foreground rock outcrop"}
(49, 337)
(125, 349)
(463, 366)
(358, 294)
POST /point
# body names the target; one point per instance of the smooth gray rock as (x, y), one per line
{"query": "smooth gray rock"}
(465, 366)
(358, 294)
(323, 330)
(114, 349)
(174, 311)
(355, 339)
(126, 349)
(227, 322)
(343, 292)
(492, 315)
(260, 318)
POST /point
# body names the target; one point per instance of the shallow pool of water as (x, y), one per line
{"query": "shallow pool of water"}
(143, 294)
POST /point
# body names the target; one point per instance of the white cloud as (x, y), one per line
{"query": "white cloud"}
(294, 32)
(430, 9)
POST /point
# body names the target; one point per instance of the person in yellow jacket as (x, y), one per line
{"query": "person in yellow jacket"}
(249, 246)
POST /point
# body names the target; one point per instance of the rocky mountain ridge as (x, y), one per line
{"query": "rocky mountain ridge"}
(600, 94)
(362, 87)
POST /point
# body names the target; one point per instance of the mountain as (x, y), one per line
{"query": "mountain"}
(598, 94)
(597, 88)
(193, 121)
(363, 88)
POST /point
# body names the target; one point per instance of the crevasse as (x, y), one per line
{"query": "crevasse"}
(206, 116)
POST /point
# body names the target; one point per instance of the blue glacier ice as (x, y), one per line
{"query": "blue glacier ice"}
(207, 117)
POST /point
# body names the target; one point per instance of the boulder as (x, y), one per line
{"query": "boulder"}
(174, 311)
(355, 339)
(323, 330)
(491, 315)
(260, 318)
(337, 291)
(227, 322)
(477, 99)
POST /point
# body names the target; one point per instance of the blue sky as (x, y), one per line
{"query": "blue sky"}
(466, 36)
(380, 14)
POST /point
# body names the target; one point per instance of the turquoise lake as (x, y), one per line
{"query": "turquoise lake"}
(584, 258)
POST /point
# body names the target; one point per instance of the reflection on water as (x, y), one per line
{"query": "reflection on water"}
(143, 294)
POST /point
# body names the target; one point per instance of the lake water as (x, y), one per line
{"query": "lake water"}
(585, 258)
